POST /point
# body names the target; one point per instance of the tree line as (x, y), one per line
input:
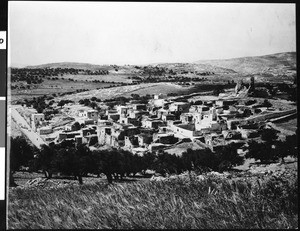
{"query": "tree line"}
(271, 148)
(36, 75)
(78, 160)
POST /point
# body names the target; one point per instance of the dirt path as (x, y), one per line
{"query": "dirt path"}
(25, 128)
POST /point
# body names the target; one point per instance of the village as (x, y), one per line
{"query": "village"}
(172, 115)
(165, 123)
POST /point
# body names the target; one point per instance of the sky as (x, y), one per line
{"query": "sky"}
(142, 33)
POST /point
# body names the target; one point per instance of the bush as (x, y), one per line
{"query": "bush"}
(266, 103)
(221, 160)
(250, 102)
(76, 126)
(269, 135)
(218, 89)
(257, 110)
(265, 152)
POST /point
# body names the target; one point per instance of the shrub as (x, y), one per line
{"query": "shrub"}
(250, 102)
(257, 110)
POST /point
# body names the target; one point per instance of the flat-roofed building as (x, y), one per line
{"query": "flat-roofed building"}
(167, 117)
(102, 132)
(186, 118)
(186, 131)
(130, 142)
(36, 120)
(144, 139)
(139, 106)
(152, 123)
(113, 117)
(45, 130)
(92, 114)
(225, 102)
(179, 106)
(137, 113)
(122, 110)
(160, 96)
(199, 108)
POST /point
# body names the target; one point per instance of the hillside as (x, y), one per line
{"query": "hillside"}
(196, 67)
(272, 64)
(278, 63)
(74, 65)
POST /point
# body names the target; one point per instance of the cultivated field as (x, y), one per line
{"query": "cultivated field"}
(183, 202)
(126, 91)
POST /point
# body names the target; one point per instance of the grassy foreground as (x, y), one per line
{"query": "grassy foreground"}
(207, 202)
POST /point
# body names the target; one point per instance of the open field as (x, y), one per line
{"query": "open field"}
(126, 91)
(283, 104)
(49, 87)
(184, 202)
(290, 125)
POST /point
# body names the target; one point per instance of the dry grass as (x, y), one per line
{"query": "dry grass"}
(181, 203)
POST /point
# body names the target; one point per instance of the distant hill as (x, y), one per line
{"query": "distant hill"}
(198, 67)
(273, 63)
(74, 65)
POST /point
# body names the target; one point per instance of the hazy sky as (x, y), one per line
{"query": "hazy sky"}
(141, 33)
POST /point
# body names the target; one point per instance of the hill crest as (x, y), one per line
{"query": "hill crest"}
(272, 63)
(75, 65)
(277, 62)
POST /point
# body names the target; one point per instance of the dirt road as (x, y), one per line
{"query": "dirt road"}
(25, 128)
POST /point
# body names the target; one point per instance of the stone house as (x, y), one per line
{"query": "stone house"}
(179, 107)
(131, 142)
(166, 117)
(144, 139)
